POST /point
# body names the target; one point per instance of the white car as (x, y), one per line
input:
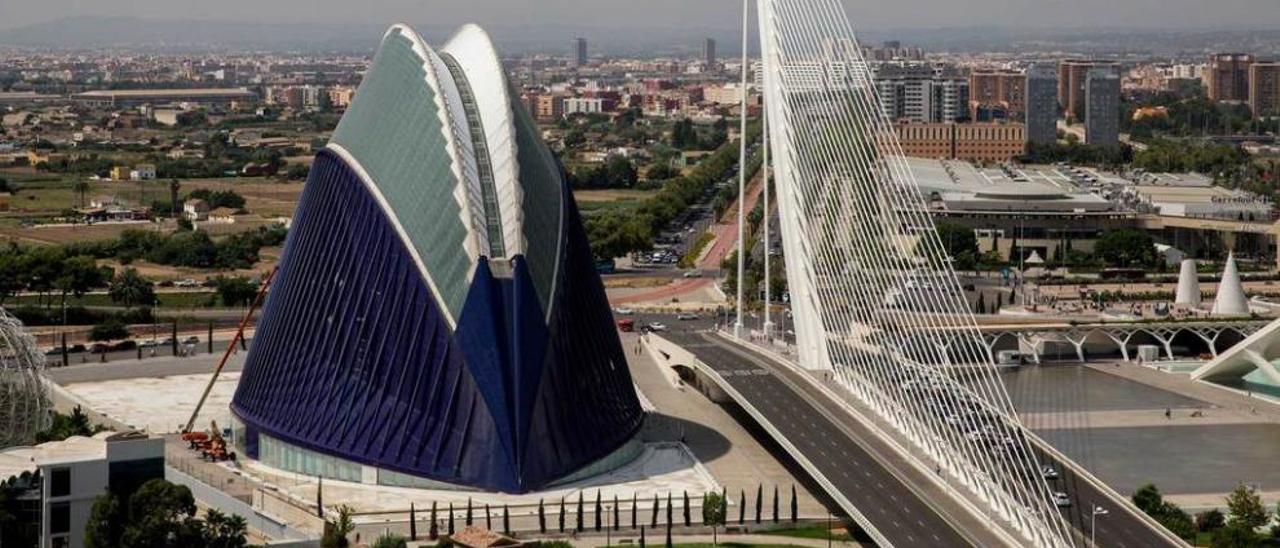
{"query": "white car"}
(656, 326)
(1061, 499)
(622, 311)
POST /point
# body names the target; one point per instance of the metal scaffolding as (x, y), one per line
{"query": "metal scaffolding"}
(24, 400)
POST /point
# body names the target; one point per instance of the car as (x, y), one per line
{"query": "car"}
(1049, 473)
(1061, 499)
(124, 345)
(693, 274)
(657, 326)
(623, 311)
(76, 349)
(189, 282)
(53, 351)
(99, 348)
(148, 343)
(192, 340)
(687, 316)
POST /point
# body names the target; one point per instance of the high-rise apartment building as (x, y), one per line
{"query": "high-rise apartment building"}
(578, 56)
(1041, 105)
(920, 92)
(1072, 76)
(1264, 89)
(1102, 107)
(709, 53)
(1227, 76)
(998, 92)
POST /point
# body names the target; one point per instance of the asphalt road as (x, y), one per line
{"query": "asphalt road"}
(897, 512)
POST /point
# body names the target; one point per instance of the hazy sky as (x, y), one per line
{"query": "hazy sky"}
(866, 14)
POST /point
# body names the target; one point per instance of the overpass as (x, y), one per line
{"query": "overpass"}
(846, 452)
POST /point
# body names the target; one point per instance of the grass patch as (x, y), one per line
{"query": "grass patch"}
(838, 534)
(730, 545)
(690, 258)
(194, 299)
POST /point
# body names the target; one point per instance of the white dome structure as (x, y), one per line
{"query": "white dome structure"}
(1231, 299)
(1188, 285)
(24, 403)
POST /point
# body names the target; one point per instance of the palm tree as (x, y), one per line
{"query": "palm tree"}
(130, 289)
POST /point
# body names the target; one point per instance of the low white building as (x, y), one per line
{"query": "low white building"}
(66, 477)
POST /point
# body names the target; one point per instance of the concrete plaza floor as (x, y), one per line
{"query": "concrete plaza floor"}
(1111, 419)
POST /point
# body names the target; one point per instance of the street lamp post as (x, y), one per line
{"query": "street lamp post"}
(608, 516)
(1093, 522)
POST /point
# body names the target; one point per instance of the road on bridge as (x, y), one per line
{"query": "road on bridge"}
(897, 512)
(834, 441)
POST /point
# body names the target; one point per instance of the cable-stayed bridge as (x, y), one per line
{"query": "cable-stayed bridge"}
(878, 311)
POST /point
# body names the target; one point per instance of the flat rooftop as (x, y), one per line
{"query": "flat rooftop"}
(964, 187)
(16, 460)
(143, 93)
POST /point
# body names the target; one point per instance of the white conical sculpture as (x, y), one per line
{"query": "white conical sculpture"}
(1188, 285)
(1230, 299)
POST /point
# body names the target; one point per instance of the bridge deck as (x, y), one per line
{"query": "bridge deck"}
(838, 449)
(867, 472)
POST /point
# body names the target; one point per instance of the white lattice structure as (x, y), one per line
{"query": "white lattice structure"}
(24, 403)
(874, 297)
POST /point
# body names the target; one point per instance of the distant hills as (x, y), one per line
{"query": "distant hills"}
(180, 35)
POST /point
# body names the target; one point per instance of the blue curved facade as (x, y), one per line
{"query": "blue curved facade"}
(361, 357)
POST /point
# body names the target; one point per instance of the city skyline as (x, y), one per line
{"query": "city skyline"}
(865, 14)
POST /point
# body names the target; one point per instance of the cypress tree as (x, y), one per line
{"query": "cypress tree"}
(599, 510)
(435, 527)
(413, 523)
(542, 518)
(687, 519)
(775, 504)
(724, 506)
(634, 500)
(488, 517)
(668, 511)
(578, 526)
(468, 520)
(615, 512)
(653, 521)
(450, 519)
(562, 515)
(641, 536)
(506, 521)
(668, 535)
(742, 506)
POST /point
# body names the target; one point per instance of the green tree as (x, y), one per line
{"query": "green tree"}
(1245, 508)
(224, 531)
(1210, 521)
(235, 290)
(337, 529)
(961, 244)
(1127, 247)
(78, 275)
(162, 515)
(130, 289)
(1235, 536)
(63, 426)
(106, 523)
(713, 513)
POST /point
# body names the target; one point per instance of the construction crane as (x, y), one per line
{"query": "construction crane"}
(231, 348)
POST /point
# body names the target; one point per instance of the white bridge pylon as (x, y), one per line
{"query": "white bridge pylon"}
(874, 297)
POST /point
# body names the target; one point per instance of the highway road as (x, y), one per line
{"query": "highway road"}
(791, 407)
(898, 513)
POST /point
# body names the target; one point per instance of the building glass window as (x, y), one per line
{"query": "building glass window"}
(60, 518)
(60, 482)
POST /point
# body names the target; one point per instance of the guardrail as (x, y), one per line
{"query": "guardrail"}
(791, 449)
